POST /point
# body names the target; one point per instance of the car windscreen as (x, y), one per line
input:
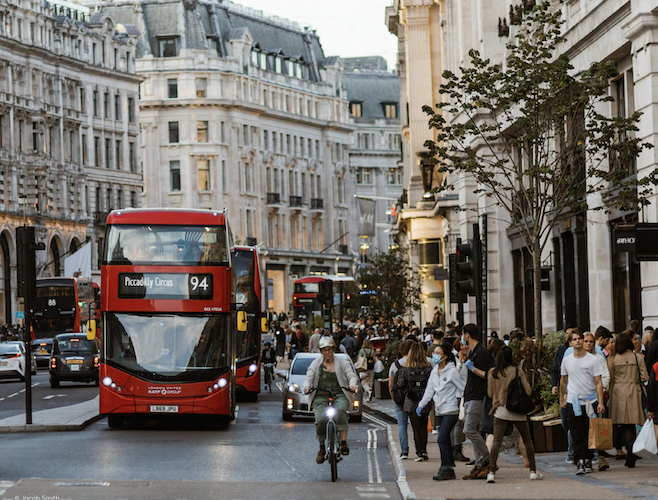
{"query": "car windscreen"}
(75, 345)
(300, 365)
(8, 349)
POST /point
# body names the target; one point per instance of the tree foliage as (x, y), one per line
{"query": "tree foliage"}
(389, 285)
(537, 137)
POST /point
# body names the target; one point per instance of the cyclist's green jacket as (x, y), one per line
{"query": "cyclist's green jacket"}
(345, 374)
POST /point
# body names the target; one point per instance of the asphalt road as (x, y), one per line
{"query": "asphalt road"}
(258, 456)
(12, 394)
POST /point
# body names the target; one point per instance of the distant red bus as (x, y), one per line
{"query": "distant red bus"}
(168, 343)
(62, 305)
(249, 298)
(305, 304)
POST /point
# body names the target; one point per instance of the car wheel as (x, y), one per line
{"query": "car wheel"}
(357, 419)
(115, 421)
(287, 416)
(97, 382)
(54, 383)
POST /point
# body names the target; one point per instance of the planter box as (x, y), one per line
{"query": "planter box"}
(547, 434)
(381, 389)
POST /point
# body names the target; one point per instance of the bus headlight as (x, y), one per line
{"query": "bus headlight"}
(222, 382)
(253, 367)
(107, 381)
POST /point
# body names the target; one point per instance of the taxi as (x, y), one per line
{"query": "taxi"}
(74, 358)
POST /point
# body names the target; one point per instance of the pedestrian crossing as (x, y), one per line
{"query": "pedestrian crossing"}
(372, 492)
(4, 486)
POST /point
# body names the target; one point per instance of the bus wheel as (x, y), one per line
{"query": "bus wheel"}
(222, 422)
(115, 421)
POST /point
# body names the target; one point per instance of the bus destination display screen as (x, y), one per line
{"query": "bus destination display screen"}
(165, 286)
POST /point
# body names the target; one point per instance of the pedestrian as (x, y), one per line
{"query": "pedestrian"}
(457, 438)
(401, 417)
(437, 337)
(499, 379)
(628, 373)
(313, 342)
(478, 364)
(412, 379)
(603, 336)
(368, 353)
(349, 344)
(555, 383)
(581, 393)
(445, 388)
(652, 351)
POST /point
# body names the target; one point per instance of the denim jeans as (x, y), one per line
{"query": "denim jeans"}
(473, 412)
(403, 420)
(446, 423)
(579, 426)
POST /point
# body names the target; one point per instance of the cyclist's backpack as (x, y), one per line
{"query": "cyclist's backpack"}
(416, 385)
(398, 392)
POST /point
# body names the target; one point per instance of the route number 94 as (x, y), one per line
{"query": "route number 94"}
(197, 283)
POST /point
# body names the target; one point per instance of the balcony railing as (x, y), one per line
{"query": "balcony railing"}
(295, 201)
(273, 198)
(317, 203)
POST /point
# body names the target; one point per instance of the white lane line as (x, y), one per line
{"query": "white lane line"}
(22, 390)
(2, 399)
(374, 471)
(375, 420)
(369, 458)
(35, 384)
(12, 395)
(378, 472)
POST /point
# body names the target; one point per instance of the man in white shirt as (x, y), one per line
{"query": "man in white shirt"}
(581, 393)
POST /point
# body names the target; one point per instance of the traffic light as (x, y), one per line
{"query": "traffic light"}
(452, 277)
(326, 292)
(468, 270)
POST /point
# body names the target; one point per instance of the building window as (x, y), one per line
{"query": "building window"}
(84, 149)
(394, 176)
(173, 132)
(131, 110)
(133, 199)
(106, 105)
(355, 109)
(224, 175)
(95, 102)
(213, 44)
(172, 88)
(202, 131)
(222, 132)
(277, 64)
(363, 176)
(168, 47)
(174, 171)
(108, 157)
(82, 101)
(390, 109)
(131, 153)
(97, 151)
(201, 85)
(117, 107)
(203, 168)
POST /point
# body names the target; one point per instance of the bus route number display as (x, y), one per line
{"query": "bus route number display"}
(165, 286)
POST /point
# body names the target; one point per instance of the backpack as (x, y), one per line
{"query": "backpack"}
(398, 392)
(416, 385)
(517, 399)
(370, 360)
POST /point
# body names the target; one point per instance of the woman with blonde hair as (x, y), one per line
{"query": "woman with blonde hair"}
(368, 352)
(412, 378)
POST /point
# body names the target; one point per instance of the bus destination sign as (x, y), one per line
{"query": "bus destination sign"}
(165, 286)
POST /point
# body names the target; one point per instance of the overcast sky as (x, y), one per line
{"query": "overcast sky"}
(347, 28)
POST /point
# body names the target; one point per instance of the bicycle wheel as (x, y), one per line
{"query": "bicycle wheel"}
(269, 386)
(333, 458)
(267, 377)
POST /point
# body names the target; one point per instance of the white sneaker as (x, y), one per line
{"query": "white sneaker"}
(435, 431)
(491, 477)
(536, 476)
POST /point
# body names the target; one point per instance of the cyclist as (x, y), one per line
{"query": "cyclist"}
(268, 356)
(330, 372)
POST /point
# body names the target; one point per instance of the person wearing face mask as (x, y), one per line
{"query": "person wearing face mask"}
(445, 387)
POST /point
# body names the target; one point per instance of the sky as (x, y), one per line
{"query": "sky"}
(347, 28)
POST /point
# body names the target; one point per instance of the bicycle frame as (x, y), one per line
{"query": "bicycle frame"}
(332, 435)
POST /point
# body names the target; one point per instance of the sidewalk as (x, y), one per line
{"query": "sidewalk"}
(66, 418)
(560, 480)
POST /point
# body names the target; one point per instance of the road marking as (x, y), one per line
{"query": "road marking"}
(12, 395)
(375, 420)
(5, 485)
(22, 390)
(374, 471)
(372, 492)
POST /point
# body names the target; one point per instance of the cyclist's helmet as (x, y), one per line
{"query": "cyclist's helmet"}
(327, 342)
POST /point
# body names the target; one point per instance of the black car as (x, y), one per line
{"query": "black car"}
(41, 348)
(74, 358)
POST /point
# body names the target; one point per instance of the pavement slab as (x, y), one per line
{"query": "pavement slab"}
(65, 418)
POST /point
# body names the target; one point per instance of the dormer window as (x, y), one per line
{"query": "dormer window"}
(213, 44)
(254, 58)
(355, 109)
(168, 46)
(299, 71)
(277, 64)
(263, 61)
(390, 109)
(291, 68)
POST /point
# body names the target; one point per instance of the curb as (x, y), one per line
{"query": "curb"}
(400, 471)
(15, 429)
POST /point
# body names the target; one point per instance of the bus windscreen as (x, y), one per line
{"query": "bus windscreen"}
(166, 245)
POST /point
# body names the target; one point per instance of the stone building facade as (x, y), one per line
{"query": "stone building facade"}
(593, 280)
(244, 111)
(68, 132)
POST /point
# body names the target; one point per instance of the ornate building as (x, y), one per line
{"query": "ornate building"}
(244, 111)
(68, 131)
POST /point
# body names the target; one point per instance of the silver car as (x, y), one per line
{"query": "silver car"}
(295, 402)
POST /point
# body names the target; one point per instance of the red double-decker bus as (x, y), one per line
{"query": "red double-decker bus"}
(305, 304)
(62, 305)
(249, 298)
(169, 325)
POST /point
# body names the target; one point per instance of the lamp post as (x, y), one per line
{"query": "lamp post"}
(427, 174)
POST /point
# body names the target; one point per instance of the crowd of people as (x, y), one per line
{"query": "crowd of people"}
(464, 384)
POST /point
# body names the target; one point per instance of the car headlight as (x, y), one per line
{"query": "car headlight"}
(295, 388)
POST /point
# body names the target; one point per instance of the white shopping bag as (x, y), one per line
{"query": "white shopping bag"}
(645, 444)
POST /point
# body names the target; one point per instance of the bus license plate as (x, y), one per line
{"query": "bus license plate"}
(164, 409)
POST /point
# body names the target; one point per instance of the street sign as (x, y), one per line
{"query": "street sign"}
(19, 314)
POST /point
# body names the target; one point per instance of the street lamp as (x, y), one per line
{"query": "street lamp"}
(427, 174)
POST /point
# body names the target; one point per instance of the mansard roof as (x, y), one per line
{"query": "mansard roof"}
(372, 89)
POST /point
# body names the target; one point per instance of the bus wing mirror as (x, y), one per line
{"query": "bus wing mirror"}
(242, 321)
(264, 325)
(91, 329)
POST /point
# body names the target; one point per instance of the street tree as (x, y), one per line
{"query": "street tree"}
(389, 285)
(537, 137)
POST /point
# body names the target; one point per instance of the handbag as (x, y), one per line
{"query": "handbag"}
(645, 443)
(643, 389)
(517, 399)
(361, 364)
(600, 434)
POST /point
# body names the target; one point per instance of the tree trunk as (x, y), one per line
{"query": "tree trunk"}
(536, 288)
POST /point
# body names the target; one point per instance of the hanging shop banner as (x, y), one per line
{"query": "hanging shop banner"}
(366, 216)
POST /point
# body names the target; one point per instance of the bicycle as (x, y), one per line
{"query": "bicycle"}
(332, 434)
(269, 374)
